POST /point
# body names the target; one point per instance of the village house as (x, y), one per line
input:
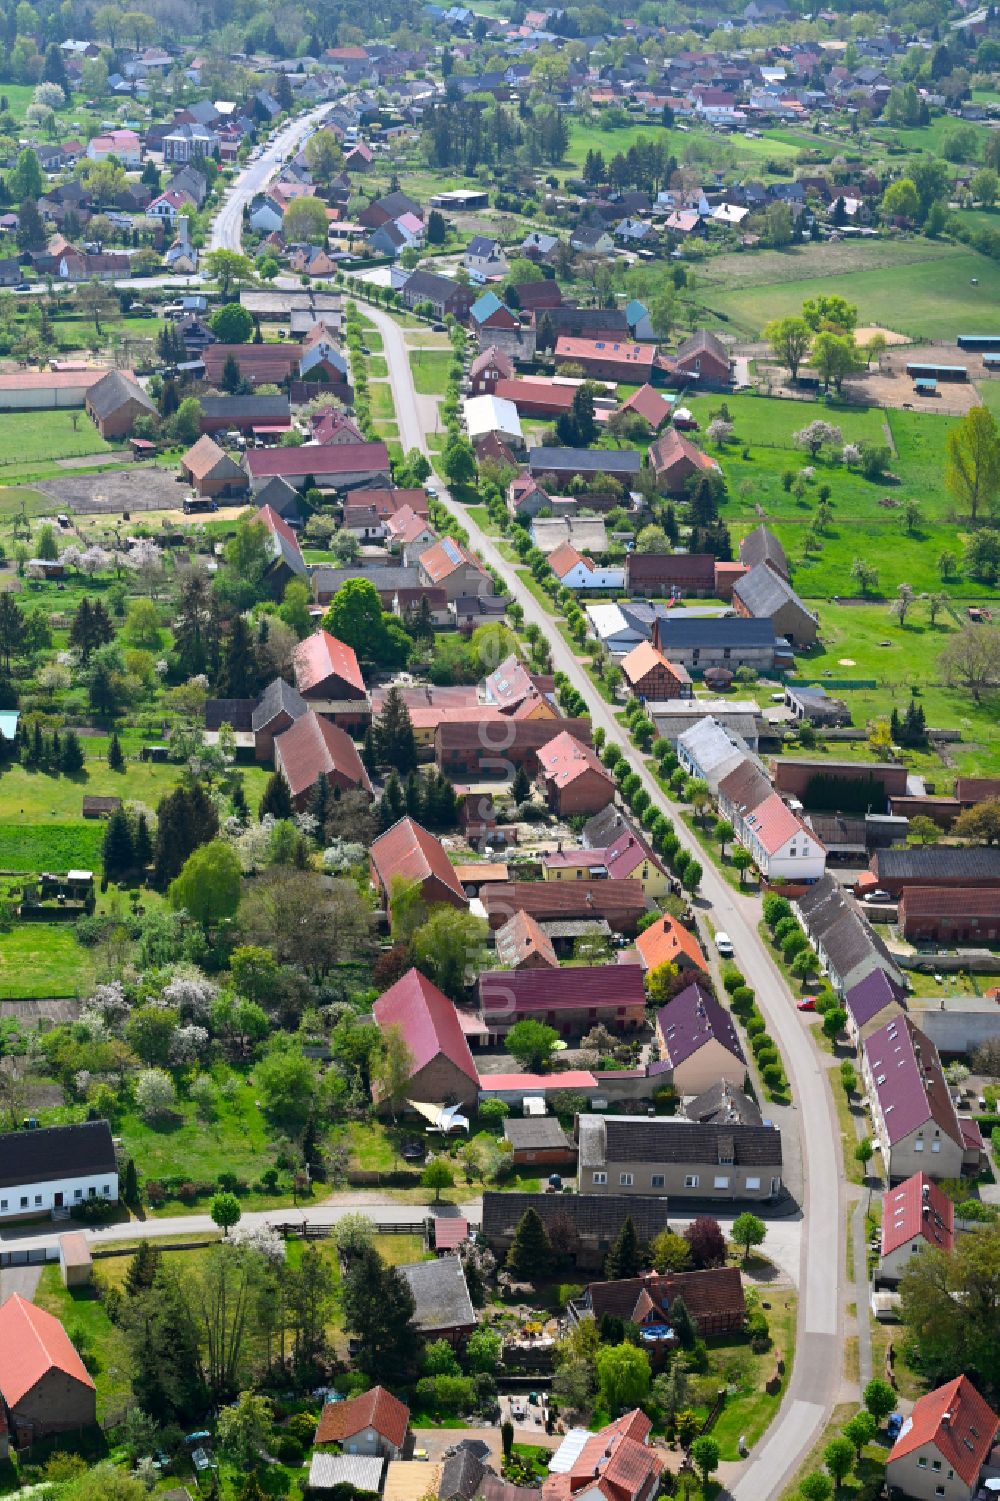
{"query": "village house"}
(114, 402)
(374, 1424)
(762, 594)
(914, 1121)
(596, 1219)
(616, 1464)
(668, 941)
(443, 1071)
(713, 1298)
(944, 1444)
(487, 369)
(915, 1214)
(54, 1168)
(211, 472)
(45, 1388)
(871, 1003)
(443, 1306)
(783, 846)
(328, 677)
(849, 949)
(494, 324)
(410, 852)
(484, 260)
(674, 459)
(573, 778)
(539, 1141)
(691, 575)
(313, 748)
(727, 641)
(445, 296)
(337, 466)
(624, 1154)
(703, 359)
(617, 904)
(471, 746)
(697, 1037)
(523, 944)
(603, 359)
(449, 565)
(571, 1000)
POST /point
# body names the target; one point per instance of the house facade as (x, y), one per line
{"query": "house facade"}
(55, 1168)
(943, 1445)
(914, 1121)
(622, 1154)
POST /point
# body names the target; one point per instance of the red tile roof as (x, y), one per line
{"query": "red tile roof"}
(320, 459)
(774, 823)
(564, 759)
(522, 938)
(672, 447)
(649, 404)
(32, 1343)
(615, 1461)
(449, 1233)
(957, 1421)
(275, 523)
(262, 363)
(408, 850)
(428, 1021)
(615, 351)
(564, 559)
(440, 561)
(376, 1409)
(645, 658)
(312, 748)
(666, 941)
(523, 992)
(917, 1207)
(389, 502)
(321, 656)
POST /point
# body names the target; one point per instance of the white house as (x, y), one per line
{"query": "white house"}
(783, 848)
(708, 751)
(493, 414)
(169, 205)
(576, 571)
(124, 144)
(53, 1169)
(484, 259)
(266, 216)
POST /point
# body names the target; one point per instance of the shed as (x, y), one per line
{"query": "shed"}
(76, 1265)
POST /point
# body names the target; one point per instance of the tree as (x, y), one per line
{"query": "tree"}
(530, 1253)
(623, 1376)
(459, 461)
(449, 947)
(276, 799)
(305, 222)
(747, 1231)
(879, 1398)
(118, 852)
(378, 1306)
(830, 312)
(393, 728)
(901, 200)
(26, 179)
(815, 434)
(483, 1350)
(980, 824)
(705, 1454)
(984, 186)
(623, 1259)
(226, 1211)
(836, 356)
(30, 228)
(816, 1486)
(951, 1309)
(972, 658)
(392, 1068)
(229, 268)
(972, 470)
(838, 1457)
(670, 1252)
(232, 323)
(531, 1043)
(244, 1428)
(437, 1175)
(861, 1429)
(286, 1079)
(707, 1242)
(185, 424)
(789, 340)
(324, 155)
(71, 754)
(209, 884)
(865, 574)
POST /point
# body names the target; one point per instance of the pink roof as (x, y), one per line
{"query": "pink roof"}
(774, 823)
(622, 351)
(405, 525)
(957, 1421)
(312, 748)
(564, 759)
(32, 1343)
(321, 656)
(318, 459)
(275, 523)
(573, 1078)
(428, 1021)
(410, 851)
(917, 1207)
(449, 1233)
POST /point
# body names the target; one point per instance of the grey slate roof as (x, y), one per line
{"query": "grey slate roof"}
(762, 546)
(257, 408)
(594, 1216)
(278, 696)
(384, 578)
(765, 592)
(638, 1139)
(588, 460)
(441, 1294)
(56, 1152)
(282, 497)
(940, 863)
(713, 632)
(461, 1476)
(237, 712)
(723, 1105)
(113, 391)
(538, 1133)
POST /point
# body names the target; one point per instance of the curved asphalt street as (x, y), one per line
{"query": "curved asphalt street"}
(815, 1382)
(227, 230)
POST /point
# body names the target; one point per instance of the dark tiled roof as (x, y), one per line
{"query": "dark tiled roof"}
(643, 1140)
(765, 592)
(277, 697)
(718, 1290)
(652, 567)
(525, 991)
(709, 633)
(600, 1215)
(622, 903)
(461, 1476)
(113, 391)
(762, 546)
(692, 1019)
(237, 712)
(585, 460)
(441, 1294)
(535, 1133)
(941, 862)
(722, 1104)
(56, 1152)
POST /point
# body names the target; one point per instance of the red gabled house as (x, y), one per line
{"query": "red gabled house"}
(409, 852)
(442, 1070)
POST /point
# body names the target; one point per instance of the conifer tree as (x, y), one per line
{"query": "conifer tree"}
(623, 1258)
(143, 1267)
(530, 1253)
(116, 757)
(118, 855)
(394, 740)
(71, 754)
(142, 843)
(277, 799)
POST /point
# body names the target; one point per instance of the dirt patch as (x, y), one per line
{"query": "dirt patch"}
(864, 336)
(132, 489)
(888, 384)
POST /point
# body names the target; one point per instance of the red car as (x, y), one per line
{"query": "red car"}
(807, 1003)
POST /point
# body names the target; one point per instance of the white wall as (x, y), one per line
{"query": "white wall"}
(42, 1198)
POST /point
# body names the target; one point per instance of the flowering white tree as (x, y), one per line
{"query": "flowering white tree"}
(851, 455)
(720, 431)
(188, 1044)
(49, 95)
(154, 1094)
(96, 560)
(260, 1238)
(146, 561)
(110, 1003)
(815, 434)
(191, 995)
(341, 855)
(70, 557)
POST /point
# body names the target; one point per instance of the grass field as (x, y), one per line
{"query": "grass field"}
(380, 399)
(34, 437)
(587, 135)
(36, 797)
(749, 1410)
(87, 1324)
(934, 300)
(48, 846)
(42, 959)
(430, 370)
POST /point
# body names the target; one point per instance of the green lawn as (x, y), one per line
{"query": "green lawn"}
(42, 959)
(935, 299)
(86, 1322)
(35, 797)
(380, 399)
(238, 1141)
(28, 847)
(430, 370)
(749, 1410)
(33, 437)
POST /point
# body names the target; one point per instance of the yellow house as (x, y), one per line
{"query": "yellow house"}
(627, 859)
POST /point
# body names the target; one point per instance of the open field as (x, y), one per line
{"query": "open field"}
(41, 959)
(35, 437)
(936, 299)
(380, 399)
(430, 370)
(87, 1324)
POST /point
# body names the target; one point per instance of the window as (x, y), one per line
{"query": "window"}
(720, 1183)
(753, 1183)
(775, 1185)
(24, 1201)
(78, 1193)
(625, 1180)
(656, 1181)
(691, 1181)
(600, 1177)
(918, 1145)
(91, 1193)
(38, 1198)
(922, 1462)
(106, 1189)
(939, 1490)
(935, 1146)
(3, 1204)
(936, 1466)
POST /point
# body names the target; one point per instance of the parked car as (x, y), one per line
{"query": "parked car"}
(876, 896)
(724, 944)
(807, 1003)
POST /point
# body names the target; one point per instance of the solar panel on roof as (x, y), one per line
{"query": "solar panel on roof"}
(451, 551)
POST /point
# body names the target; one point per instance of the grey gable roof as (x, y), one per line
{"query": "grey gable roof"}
(765, 592)
(113, 391)
(441, 1294)
(263, 408)
(944, 863)
(461, 1476)
(732, 630)
(762, 546)
(277, 697)
(595, 461)
(633, 1139)
(56, 1152)
(599, 1216)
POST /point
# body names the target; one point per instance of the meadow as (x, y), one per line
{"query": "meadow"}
(939, 297)
(430, 370)
(42, 960)
(36, 437)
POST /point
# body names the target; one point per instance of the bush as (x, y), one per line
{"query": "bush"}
(289, 1449)
(742, 1000)
(755, 1026)
(776, 908)
(732, 979)
(773, 1075)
